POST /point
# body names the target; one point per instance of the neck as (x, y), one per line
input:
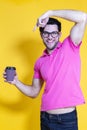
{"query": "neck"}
(50, 51)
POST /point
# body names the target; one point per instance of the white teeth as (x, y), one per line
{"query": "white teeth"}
(49, 41)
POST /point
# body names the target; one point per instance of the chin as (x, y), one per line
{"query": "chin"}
(52, 48)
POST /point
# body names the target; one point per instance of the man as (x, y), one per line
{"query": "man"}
(59, 68)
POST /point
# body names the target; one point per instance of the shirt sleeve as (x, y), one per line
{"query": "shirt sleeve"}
(73, 44)
(37, 73)
(69, 43)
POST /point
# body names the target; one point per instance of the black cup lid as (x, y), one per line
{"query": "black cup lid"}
(10, 68)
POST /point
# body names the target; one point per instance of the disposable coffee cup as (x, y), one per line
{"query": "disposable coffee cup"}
(10, 73)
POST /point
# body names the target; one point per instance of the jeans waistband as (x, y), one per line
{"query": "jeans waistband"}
(48, 115)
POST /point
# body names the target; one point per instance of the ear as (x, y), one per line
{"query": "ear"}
(60, 33)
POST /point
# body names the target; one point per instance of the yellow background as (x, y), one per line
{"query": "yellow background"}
(20, 47)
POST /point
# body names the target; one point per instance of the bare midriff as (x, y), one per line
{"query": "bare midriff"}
(61, 110)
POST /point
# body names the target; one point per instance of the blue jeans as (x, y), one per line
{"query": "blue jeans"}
(67, 121)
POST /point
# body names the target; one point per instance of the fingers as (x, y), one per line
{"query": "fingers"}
(35, 27)
(41, 22)
(4, 75)
(8, 81)
(11, 82)
(5, 79)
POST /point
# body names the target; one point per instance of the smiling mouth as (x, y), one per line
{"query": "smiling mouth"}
(50, 41)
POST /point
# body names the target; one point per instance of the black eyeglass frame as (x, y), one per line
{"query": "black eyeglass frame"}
(46, 34)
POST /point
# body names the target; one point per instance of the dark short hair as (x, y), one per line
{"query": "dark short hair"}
(52, 21)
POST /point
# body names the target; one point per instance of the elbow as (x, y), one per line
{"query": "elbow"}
(34, 95)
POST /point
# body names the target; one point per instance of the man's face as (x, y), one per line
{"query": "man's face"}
(50, 36)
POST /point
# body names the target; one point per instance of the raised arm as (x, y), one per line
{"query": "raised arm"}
(78, 17)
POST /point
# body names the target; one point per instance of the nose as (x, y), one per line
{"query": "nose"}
(50, 36)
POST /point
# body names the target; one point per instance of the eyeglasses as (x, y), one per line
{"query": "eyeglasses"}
(53, 34)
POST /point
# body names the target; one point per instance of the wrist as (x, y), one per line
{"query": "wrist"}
(50, 13)
(17, 82)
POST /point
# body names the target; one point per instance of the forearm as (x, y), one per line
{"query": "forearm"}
(71, 15)
(27, 90)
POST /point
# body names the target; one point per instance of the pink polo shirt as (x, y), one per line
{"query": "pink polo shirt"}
(61, 72)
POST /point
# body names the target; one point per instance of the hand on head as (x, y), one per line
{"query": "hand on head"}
(41, 21)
